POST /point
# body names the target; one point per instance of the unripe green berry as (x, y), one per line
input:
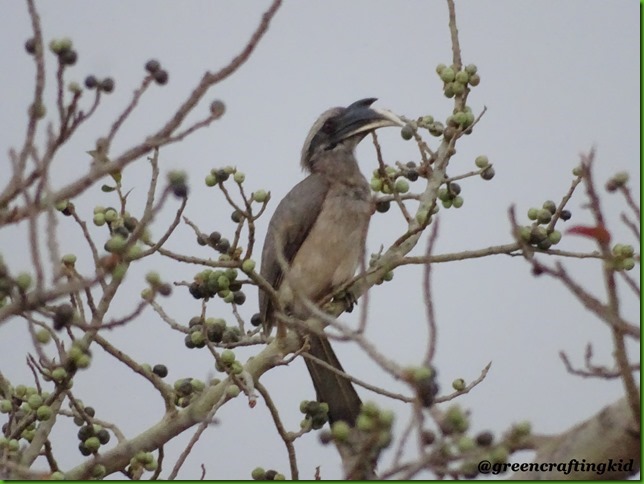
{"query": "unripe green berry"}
(462, 77)
(197, 386)
(628, 263)
(62, 205)
(457, 202)
(533, 212)
(34, 401)
(69, 259)
(116, 244)
(471, 69)
(197, 338)
(458, 384)
(236, 368)
(118, 273)
(23, 280)
(93, 444)
(260, 196)
(523, 428)
(448, 74)
(386, 418)
(153, 278)
(365, 423)
(422, 216)
(5, 406)
(436, 128)
(258, 474)
(99, 219)
(142, 457)
(58, 46)
(227, 357)
(554, 237)
(239, 177)
(537, 234)
(525, 233)
(134, 252)
(577, 171)
(111, 215)
(420, 373)
(99, 471)
(384, 439)
(465, 443)
(401, 185)
(544, 244)
(621, 178)
(474, 80)
(59, 374)
(460, 118)
(223, 282)
(481, 161)
(550, 206)
(248, 266)
(376, 184)
(211, 180)
(340, 430)
(457, 419)
(83, 361)
(44, 413)
(13, 445)
(306, 424)
(370, 409)
(544, 216)
(43, 336)
(427, 120)
(232, 391)
(458, 88)
(440, 68)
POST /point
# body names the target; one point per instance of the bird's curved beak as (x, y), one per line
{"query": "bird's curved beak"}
(360, 117)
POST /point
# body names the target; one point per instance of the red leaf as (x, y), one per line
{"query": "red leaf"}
(598, 233)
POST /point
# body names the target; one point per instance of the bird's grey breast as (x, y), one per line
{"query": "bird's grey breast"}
(335, 245)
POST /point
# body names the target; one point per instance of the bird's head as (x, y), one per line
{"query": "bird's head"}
(344, 127)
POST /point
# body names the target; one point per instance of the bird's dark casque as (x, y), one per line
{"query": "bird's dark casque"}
(319, 231)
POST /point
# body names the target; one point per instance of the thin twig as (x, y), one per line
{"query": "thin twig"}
(427, 297)
(279, 426)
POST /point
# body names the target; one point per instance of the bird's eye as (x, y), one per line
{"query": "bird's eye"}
(329, 126)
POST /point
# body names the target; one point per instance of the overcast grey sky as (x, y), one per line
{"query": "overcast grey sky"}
(557, 79)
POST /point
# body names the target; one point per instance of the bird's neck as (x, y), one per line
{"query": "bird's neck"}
(339, 166)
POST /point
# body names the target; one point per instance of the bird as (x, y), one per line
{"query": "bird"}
(318, 233)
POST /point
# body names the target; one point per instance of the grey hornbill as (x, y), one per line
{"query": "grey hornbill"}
(320, 229)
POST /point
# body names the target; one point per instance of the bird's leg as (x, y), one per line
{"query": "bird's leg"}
(347, 298)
